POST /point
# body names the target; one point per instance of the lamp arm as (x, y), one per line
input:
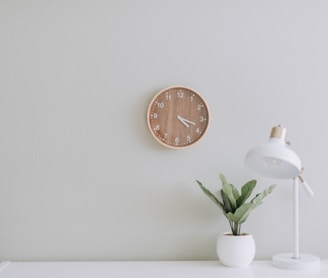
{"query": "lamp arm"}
(306, 186)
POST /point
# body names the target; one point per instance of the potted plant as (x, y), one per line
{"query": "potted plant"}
(234, 248)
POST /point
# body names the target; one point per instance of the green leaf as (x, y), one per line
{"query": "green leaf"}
(211, 195)
(246, 191)
(241, 214)
(229, 190)
(230, 217)
(235, 192)
(257, 200)
(226, 202)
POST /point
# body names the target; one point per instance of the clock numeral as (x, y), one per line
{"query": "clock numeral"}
(160, 105)
(157, 127)
(155, 115)
(180, 94)
(200, 106)
(192, 98)
(176, 140)
(168, 96)
(197, 130)
(202, 119)
(164, 137)
(188, 139)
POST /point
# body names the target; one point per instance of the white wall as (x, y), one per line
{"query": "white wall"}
(81, 178)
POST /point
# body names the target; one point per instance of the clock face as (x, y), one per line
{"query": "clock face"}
(178, 117)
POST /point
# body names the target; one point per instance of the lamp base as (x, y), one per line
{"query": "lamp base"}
(287, 261)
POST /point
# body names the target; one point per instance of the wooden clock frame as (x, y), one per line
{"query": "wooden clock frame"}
(178, 117)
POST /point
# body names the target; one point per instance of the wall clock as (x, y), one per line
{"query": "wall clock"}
(178, 117)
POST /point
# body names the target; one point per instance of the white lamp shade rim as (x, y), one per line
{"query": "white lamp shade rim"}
(274, 160)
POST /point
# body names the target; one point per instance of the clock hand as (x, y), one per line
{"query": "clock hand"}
(182, 120)
(189, 122)
(185, 120)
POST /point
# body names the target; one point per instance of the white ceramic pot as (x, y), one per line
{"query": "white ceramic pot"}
(235, 251)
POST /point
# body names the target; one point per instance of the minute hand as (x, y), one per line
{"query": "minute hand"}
(189, 121)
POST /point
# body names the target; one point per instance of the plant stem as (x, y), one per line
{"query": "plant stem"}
(231, 226)
(235, 228)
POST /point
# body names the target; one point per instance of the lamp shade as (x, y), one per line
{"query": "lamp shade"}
(274, 159)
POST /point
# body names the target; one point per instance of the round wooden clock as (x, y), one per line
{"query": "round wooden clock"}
(178, 117)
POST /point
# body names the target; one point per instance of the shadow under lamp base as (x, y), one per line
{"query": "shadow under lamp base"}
(305, 262)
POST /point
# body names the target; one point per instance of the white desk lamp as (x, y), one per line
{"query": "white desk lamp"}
(276, 160)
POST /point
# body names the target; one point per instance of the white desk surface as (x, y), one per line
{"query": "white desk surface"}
(151, 269)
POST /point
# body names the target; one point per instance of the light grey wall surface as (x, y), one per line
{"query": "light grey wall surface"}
(81, 178)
